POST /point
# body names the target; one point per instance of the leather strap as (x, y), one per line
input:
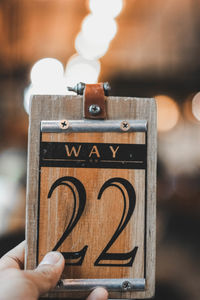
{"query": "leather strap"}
(94, 95)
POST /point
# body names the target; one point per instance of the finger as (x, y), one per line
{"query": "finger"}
(98, 294)
(14, 258)
(47, 274)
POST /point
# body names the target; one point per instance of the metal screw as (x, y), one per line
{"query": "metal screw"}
(64, 124)
(126, 285)
(94, 109)
(78, 88)
(125, 126)
(59, 284)
(107, 88)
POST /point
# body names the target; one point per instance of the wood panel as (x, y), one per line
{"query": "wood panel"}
(100, 218)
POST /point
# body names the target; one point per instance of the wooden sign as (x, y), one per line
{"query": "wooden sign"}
(91, 194)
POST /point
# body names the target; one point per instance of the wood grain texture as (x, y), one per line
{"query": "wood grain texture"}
(100, 218)
(70, 107)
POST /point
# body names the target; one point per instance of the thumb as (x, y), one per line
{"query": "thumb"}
(47, 274)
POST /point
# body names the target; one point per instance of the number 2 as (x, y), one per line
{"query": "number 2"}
(123, 222)
(74, 218)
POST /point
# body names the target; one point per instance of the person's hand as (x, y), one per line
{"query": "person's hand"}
(15, 283)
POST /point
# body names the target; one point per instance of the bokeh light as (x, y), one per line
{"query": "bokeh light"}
(27, 95)
(92, 42)
(47, 78)
(106, 7)
(79, 69)
(98, 30)
(89, 49)
(168, 113)
(45, 72)
(187, 110)
(196, 106)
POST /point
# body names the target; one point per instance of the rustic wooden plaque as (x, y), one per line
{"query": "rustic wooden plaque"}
(91, 194)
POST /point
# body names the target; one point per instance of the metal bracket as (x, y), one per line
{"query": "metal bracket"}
(94, 126)
(94, 101)
(112, 285)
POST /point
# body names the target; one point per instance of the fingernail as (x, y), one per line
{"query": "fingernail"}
(51, 258)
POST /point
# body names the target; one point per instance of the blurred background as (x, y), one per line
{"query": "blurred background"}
(144, 49)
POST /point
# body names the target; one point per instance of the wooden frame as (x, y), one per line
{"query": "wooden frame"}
(70, 108)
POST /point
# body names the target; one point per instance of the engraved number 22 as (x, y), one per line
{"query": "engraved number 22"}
(120, 183)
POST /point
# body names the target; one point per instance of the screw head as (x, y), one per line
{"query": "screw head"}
(125, 125)
(126, 285)
(59, 284)
(94, 109)
(78, 88)
(107, 88)
(64, 124)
